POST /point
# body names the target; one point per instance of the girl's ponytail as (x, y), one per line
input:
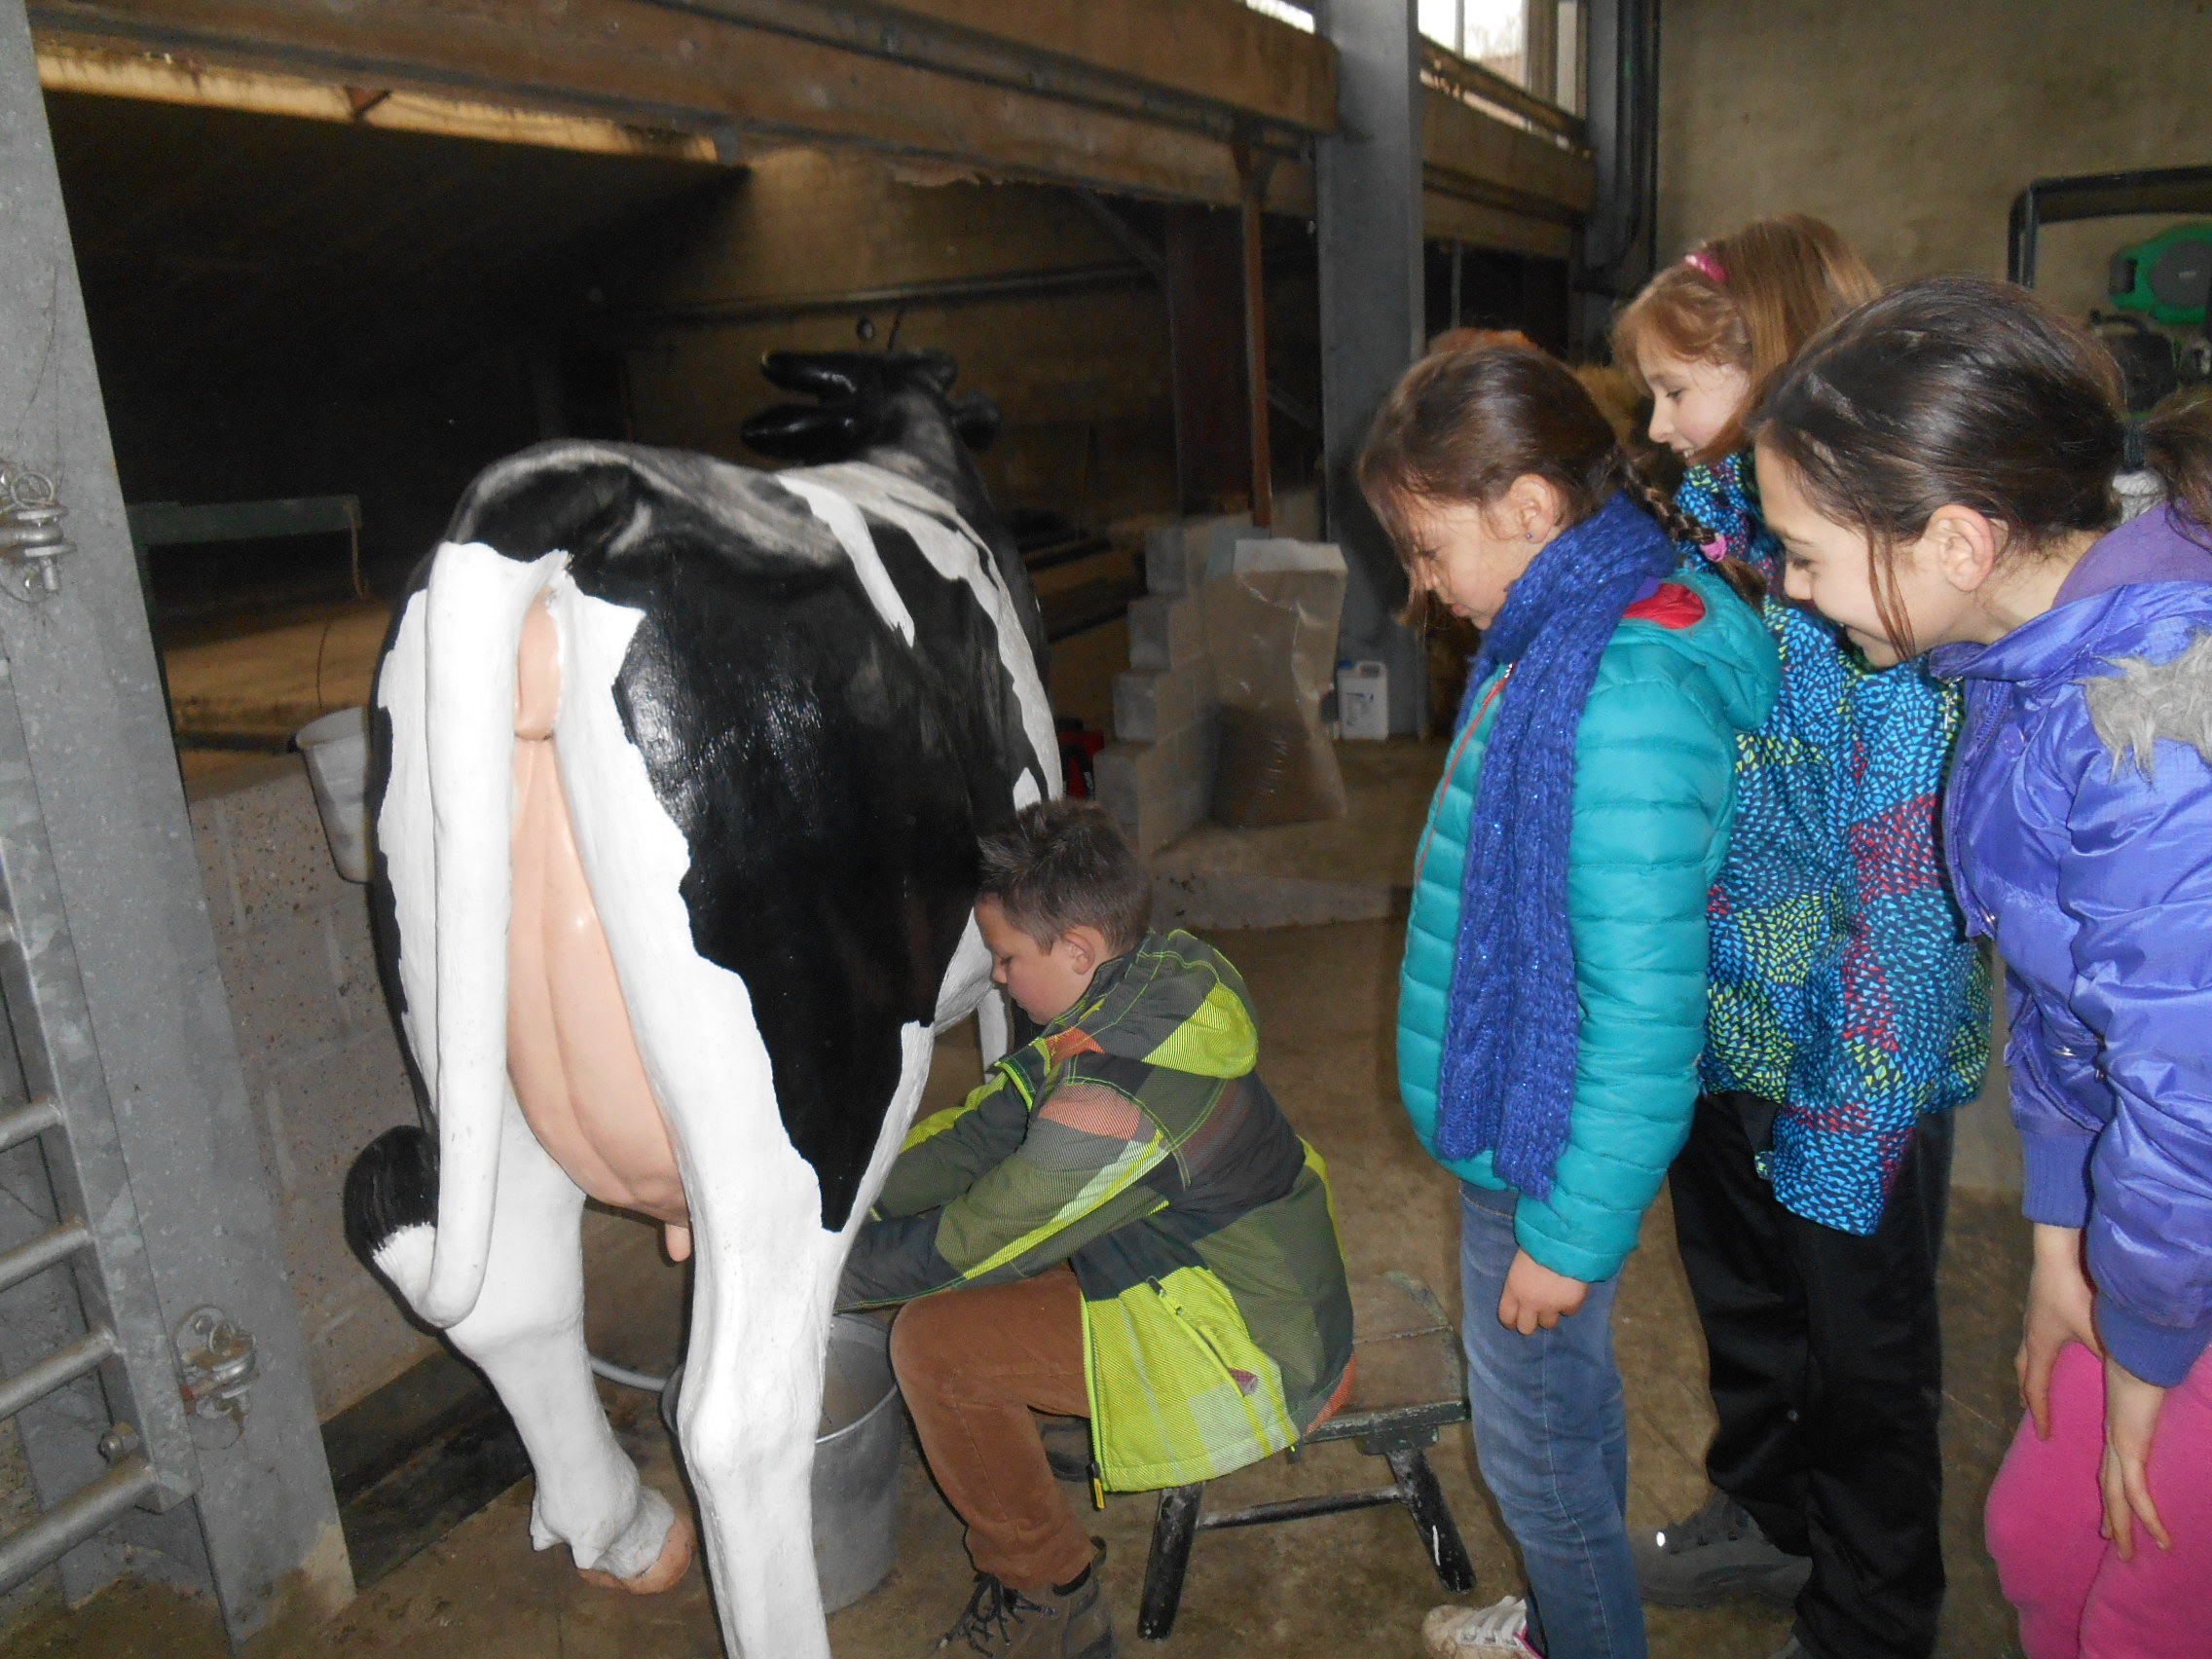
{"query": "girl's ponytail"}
(2176, 440)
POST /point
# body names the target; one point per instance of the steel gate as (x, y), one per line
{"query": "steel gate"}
(150, 1352)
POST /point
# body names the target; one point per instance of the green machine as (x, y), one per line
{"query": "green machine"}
(2167, 279)
(2158, 287)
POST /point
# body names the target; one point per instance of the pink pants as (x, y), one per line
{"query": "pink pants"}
(2076, 1598)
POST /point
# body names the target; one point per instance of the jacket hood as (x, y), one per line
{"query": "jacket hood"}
(1732, 645)
(1174, 1000)
(2143, 590)
(2153, 547)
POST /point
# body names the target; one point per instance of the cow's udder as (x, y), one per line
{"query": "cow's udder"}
(570, 1052)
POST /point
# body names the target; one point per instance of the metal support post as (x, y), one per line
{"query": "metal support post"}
(1367, 199)
(1617, 245)
(149, 1336)
(1252, 181)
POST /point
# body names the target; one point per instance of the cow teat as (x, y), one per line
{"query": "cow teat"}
(537, 675)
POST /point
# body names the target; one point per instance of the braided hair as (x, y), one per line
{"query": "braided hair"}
(1748, 579)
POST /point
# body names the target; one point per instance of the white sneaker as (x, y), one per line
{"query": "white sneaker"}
(1453, 1632)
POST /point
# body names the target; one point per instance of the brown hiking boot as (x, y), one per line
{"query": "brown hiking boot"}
(1005, 1623)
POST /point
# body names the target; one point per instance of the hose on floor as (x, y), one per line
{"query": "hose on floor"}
(624, 1376)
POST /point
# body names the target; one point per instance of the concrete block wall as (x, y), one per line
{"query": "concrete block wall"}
(1156, 776)
(322, 1061)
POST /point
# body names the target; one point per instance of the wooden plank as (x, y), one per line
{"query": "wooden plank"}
(650, 64)
(164, 80)
(1508, 164)
(659, 66)
(1218, 49)
(1480, 224)
(166, 524)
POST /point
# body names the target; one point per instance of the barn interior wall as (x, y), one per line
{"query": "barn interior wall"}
(1083, 377)
(292, 308)
(1911, 127)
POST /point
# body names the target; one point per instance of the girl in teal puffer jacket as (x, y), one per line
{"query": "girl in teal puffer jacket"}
(1552, 1005)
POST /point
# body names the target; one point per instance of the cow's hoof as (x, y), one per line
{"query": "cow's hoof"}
(665, 1573)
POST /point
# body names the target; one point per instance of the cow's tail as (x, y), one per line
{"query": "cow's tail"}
(446, 831)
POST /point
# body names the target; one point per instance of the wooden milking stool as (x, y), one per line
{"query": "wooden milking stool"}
(1408, 1384)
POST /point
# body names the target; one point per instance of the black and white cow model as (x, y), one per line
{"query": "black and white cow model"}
(680, 772)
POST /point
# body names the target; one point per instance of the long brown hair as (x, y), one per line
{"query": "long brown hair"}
(1464, 424)
(1750, 300)
(1960, 390)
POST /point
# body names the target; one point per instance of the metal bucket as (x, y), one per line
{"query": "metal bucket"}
(336, 751)
(856, 1460)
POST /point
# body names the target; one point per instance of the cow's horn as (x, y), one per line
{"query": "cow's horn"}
(827, 375)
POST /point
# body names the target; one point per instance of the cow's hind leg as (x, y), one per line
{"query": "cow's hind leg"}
(525, 1332)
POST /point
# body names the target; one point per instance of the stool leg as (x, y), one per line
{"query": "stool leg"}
(1171, 1537)
(1423, 1499)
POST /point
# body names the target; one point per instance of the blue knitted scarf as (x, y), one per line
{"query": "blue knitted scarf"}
(1513, 1024)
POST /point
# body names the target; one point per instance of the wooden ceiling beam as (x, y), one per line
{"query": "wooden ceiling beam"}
(1219, 52)
(1140, 96)
(1468, 153)
(637, 61)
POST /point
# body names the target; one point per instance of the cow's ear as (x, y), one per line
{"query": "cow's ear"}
(808, 432)
(827, 375)
(978, 420)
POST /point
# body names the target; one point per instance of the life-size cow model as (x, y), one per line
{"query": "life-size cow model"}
(680, 769)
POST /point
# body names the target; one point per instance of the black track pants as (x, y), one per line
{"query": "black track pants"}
(1827, 1372)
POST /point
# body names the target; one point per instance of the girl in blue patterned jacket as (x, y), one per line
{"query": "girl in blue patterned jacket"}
(1848, 1016)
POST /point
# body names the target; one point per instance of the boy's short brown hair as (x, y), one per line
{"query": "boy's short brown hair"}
(1064, 864)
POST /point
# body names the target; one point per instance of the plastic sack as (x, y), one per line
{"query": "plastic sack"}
(1271, 632)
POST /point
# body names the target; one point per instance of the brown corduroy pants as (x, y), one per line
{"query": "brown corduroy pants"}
(974, 1365)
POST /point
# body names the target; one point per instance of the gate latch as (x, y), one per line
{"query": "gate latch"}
(30, 533)
(219, 1364)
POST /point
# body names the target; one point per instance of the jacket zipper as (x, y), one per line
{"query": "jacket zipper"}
(1451, 764)
(1979, 733)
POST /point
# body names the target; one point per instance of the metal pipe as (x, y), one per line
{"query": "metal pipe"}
(1301, 1508)
(1014, 286)
(35, 1119)
(58, 1370)
(73, 1520)
(42, 1252)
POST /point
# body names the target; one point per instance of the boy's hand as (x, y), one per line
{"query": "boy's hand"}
(1536, 1296)
(2060, 1304)
(2132, 1418)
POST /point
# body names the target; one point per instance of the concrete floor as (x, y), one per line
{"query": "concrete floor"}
(1352, 1585)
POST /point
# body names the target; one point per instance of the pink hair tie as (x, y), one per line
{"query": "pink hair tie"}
(1705, 265)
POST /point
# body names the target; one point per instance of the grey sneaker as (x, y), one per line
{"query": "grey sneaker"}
(1717, 1553)
(1005, 1623)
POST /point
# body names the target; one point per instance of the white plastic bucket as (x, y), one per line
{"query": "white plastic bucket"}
(1363, 700)
(337, 752)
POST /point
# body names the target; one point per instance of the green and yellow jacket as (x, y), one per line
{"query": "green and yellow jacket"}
(1133, 1140)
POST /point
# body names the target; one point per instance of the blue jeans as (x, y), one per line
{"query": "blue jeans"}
(1552, 1436)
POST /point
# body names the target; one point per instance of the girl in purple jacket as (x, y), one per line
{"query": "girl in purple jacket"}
(1947, 470)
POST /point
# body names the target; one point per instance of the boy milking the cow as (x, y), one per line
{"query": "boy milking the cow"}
(1117, 1225)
